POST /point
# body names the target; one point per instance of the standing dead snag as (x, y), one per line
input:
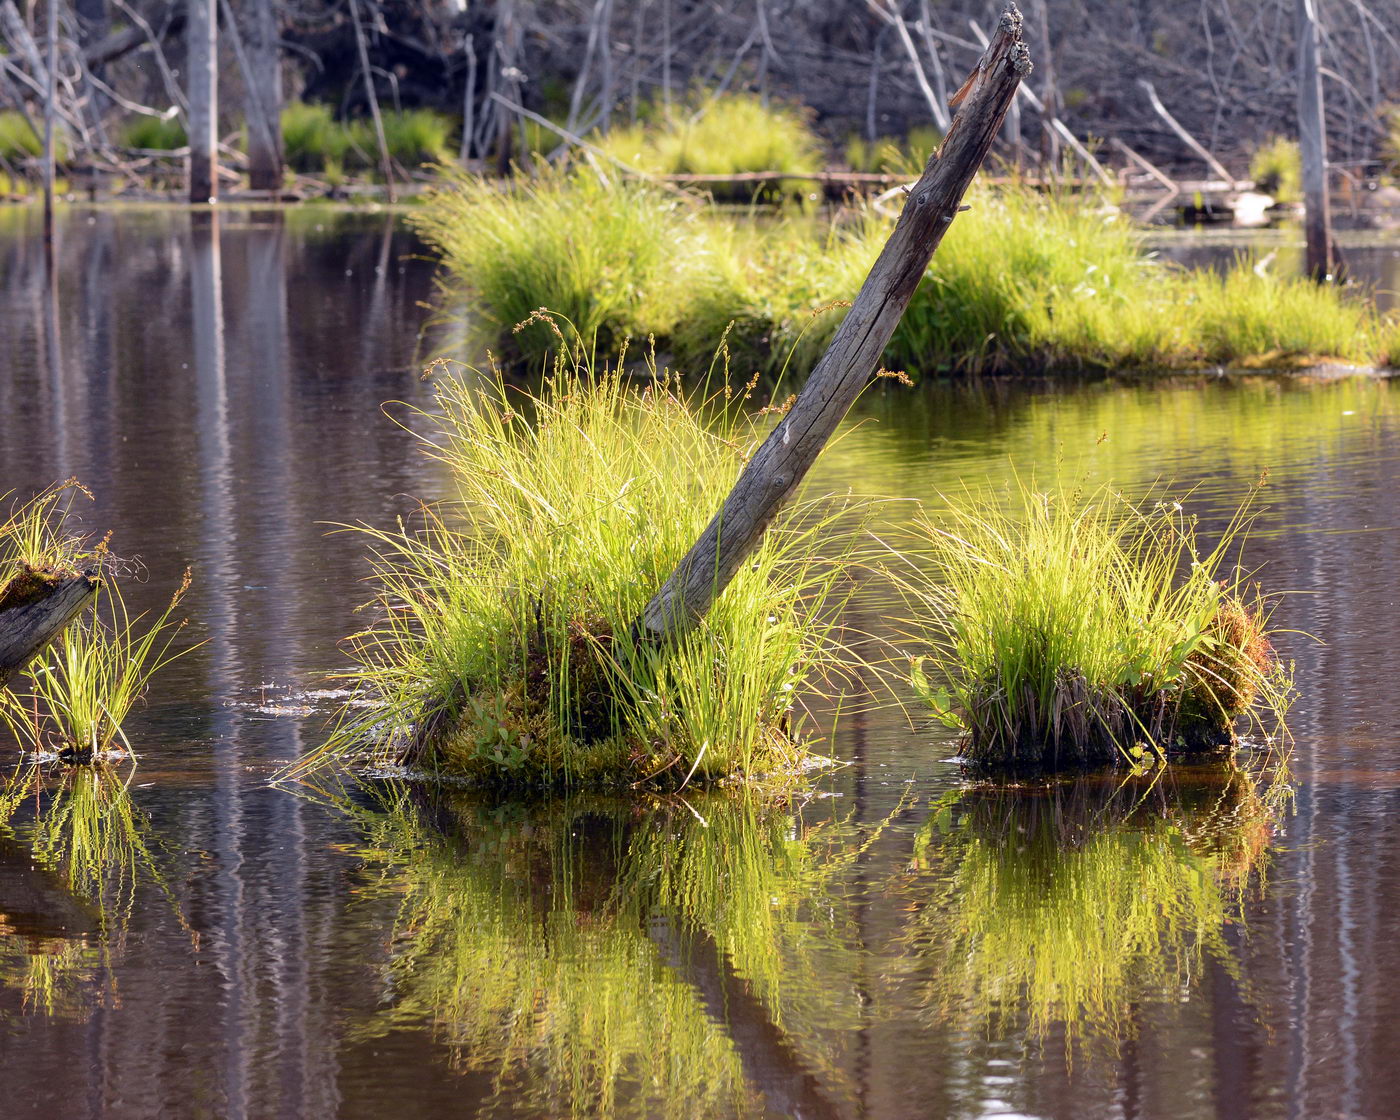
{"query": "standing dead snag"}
(784, 458)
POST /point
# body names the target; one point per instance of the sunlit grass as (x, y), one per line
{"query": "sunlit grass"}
(1024, 282)
(1077, 629)
(37, 548)
(614, 260)
(1277, 169)
(1069, 907)
(504, 614)
(733, 133)
(77, 696)
(312, 139)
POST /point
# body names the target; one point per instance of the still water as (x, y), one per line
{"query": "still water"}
(895, 945)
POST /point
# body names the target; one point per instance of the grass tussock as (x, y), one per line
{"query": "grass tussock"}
(1068, 908)
(1277, 169)
(613, 260)
(1076, 630)
(149, 133)
(1024, 282)
(727, 135)
(504, 613)
(74, 699)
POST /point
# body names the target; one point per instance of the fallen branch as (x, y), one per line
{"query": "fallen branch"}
(25, 630)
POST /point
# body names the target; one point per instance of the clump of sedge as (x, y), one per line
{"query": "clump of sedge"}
(500, 646)
(1072, 630)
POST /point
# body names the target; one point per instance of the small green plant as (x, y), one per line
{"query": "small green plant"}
(1077, 630)
(726, 135)
(81, 692)
(162, 134)
(504, 615)
(18, 140)
(312, 138)
(36, 547)
(1277, 169)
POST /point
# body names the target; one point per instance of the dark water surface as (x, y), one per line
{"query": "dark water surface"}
(897, 946)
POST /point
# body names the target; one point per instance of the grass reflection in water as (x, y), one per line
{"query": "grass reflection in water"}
(73, 855)
(1067, 905)
(599, 957)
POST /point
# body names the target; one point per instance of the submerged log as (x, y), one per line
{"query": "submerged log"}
(27, 628)
(783, 460)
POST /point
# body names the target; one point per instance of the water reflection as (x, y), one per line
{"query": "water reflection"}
(74, 851)
(592, 957)
(1061, 910)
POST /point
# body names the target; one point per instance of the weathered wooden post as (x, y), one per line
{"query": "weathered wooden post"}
(784, 458)
(1312, 144)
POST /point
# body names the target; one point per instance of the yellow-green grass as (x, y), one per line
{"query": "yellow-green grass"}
(727, 135)
(576, 950)
(154, 133)
(1063, 911)
(1067, 629)
(504, 614)
(74, 699)
(1277, 169)
(1023, 283)
(614, 261)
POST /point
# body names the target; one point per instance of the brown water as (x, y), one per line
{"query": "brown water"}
(896, 946)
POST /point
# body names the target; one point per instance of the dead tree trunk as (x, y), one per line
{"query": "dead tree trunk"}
(783, 460)
(1312, 143)
(264, 78)
(50, 106)
(26, 629)
(201, 36)
(373, 98)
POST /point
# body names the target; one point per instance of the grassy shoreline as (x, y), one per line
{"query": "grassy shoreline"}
(1024, 283)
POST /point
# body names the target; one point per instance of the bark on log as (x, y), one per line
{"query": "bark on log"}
(25, 630)
(784, 458)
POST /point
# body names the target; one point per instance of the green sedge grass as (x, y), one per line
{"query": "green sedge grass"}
(1067, 629)
(508, 607)
(1023, 282)
(76, 697)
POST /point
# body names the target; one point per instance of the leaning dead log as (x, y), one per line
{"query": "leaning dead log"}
(27, 627)
(784, 458)
(780, 464)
